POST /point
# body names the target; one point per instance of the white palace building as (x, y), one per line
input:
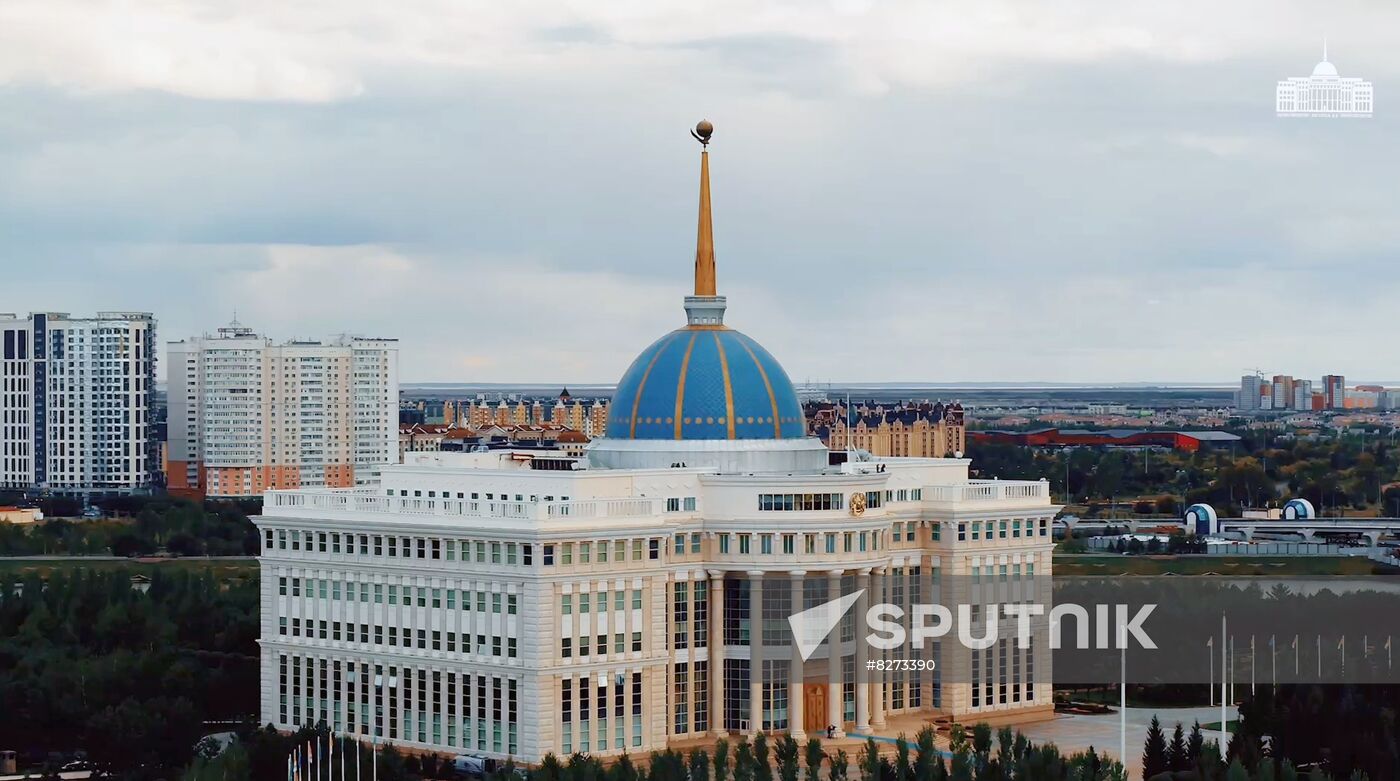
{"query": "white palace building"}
(517, 603)
(1325, 93)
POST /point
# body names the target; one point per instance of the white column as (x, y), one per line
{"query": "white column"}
(926, 596)
(877, 690)
(835, 712)
(716, 652)
(796, 707)
(862, 654)
(755, 651)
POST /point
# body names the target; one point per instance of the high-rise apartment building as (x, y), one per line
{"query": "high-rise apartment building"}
(1283, 391)
(76, 402)
(1334, 391)
(1251, 393)
(247, 415)
(1302, 395)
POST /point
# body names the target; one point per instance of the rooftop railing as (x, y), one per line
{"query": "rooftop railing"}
(1019, 491)
(367, 501)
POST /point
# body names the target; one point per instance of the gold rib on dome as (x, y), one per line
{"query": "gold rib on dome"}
(772, 397)
(637, 399)
(705, 234)
(680, 385)
(728, 386)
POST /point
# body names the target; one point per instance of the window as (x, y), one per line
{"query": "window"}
(653, 548)
(673, 504)
(548, 556)
(798, 502)
(724, 543)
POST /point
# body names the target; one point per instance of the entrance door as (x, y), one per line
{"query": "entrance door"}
(814, 708)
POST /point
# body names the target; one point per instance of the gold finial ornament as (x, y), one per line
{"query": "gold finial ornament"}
(705, 235)
(703, 131)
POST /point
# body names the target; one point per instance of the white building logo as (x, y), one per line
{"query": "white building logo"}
(1324, 94)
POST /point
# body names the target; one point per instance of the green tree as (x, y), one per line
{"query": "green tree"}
(623, 769)
(762, 768)
(786, 752)
(840, 765)
(721, 760)
(814, 757)
(870, 761)
(902, 769)
(743, 761)
(1177, 758)
(699, 765)
(1154, 751)
(926, 754)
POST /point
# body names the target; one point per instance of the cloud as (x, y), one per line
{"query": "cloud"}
(329, 50)
(973, 191)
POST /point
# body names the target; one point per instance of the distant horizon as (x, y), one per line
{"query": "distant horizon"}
(912, 385)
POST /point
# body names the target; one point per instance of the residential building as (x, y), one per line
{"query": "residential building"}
(247, 415)
(515, 603)
(1334, 391)
(1251, 393)
(1283, 391)
(919, 429)
(1302, 395)
(75, 412)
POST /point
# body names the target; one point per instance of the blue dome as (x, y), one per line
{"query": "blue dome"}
(705, 382)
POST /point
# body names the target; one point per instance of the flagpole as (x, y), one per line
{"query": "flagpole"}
(1122, 696)
(1251, 665)
(1223, 739)
(1273, 656)
(1319, 658)
(1210, 667)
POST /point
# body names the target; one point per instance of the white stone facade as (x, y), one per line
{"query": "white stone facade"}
(517, 604)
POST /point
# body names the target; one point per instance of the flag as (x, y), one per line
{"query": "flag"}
(1272, 643)
(1295, 641)
(1342, 643)
(1210, 643)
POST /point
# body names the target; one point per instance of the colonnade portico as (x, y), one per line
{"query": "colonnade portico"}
(869, 685)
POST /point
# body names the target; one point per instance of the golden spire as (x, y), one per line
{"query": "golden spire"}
(705, 236)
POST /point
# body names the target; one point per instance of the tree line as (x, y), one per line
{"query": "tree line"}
(140, 526)
(130, 675)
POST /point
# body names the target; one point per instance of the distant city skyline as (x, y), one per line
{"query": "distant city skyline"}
(993, 192)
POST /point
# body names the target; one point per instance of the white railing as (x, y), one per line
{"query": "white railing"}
(990, 491)
(362, 501)
(603, 508)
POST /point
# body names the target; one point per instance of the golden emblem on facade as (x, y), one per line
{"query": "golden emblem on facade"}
(857, 503)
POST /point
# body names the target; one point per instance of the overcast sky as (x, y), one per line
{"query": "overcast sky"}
(922, 191)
